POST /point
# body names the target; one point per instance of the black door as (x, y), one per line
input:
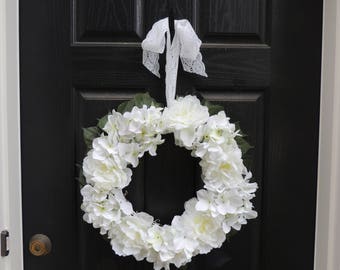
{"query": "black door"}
(81, 58)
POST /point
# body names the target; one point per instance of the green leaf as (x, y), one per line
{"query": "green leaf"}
(213, 108)
(141, 99)
(126, 106)
(241, 141)
(243, 144)
(237, 127)
(145, 99)
(89, 134)
(81, 178)
(102, 121)
(231, 234)
(138, 100)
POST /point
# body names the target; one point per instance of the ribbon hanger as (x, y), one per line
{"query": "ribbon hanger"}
(185, 45)
(171, 24)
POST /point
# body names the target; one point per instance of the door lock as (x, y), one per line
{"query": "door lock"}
(40, 245)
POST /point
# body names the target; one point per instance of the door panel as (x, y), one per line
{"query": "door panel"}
(123, 20)
(222, 21)
(81, 58)
(107, 20)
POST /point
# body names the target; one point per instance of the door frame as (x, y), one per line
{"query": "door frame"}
(328, 198)
(10, 170)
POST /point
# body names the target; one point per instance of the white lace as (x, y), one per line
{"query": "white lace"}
(185, 45)
(150, 61)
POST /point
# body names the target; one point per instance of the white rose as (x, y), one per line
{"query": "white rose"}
(184, 116)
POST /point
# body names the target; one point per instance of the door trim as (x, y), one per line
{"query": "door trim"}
(328, 201)
(10, 170)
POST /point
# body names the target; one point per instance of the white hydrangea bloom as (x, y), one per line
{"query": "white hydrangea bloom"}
(143, 121)
(217, 131)
(130, 152)
(234, 207)
(104, 147)
(113, 124)
(102, 209)
(129, 237)
(142, 126)
(223, 168)
(235, 221)
(184, 117)
(105, 174)
(161, 240)
(200, 226)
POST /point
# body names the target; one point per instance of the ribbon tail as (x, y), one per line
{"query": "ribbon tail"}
(150, 61)
(190, 54)
(153, 45)
(194, 66)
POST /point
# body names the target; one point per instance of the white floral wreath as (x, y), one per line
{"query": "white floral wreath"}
(223, 204)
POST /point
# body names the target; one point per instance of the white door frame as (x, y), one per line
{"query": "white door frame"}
(328, 202)
(327, 243)
(10, 170)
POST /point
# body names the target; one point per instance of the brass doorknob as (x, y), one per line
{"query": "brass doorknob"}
(40, 245)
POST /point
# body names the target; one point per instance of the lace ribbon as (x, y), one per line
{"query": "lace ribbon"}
(185, 45)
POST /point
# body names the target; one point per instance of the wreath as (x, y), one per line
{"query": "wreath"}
(124, 136)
